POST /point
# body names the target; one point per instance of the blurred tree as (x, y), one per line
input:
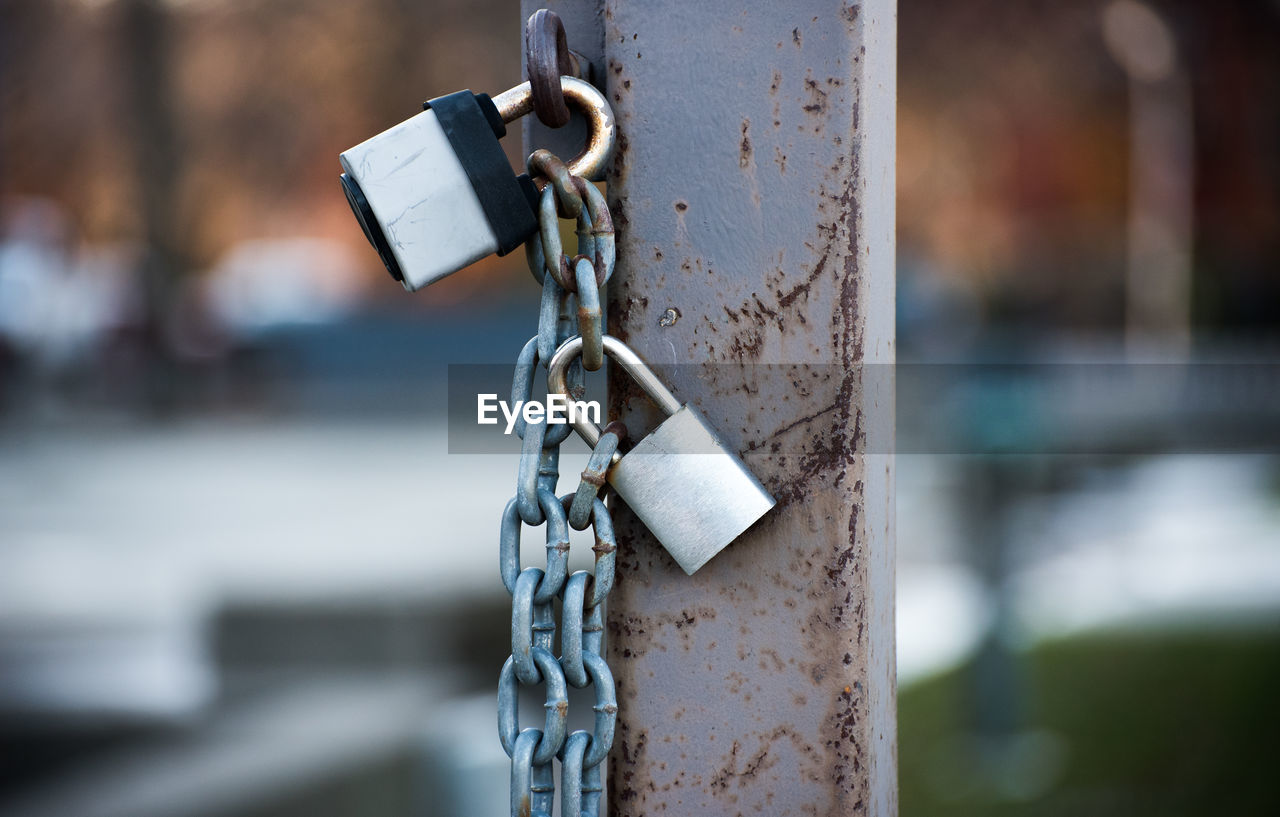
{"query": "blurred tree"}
(1014, 157)
(192, 126)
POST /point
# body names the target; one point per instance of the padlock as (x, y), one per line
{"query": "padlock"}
(692, 492)
(436, 193)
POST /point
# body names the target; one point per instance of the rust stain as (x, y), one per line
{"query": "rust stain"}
(818, 596)
(817, 104)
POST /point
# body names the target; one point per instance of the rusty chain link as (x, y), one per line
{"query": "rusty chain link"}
(580, 278)
(577, 198)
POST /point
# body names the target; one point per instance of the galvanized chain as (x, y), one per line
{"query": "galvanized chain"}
(593, 476)
(534, 590)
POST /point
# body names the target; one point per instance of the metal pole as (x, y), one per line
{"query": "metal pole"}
(753, 191)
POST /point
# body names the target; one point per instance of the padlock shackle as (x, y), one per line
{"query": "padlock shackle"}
(588, 164)
(558, 368)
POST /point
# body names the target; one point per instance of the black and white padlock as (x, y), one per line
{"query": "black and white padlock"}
(436, 193)
(691, 490)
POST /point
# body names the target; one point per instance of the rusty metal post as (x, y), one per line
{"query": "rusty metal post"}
(753, 190)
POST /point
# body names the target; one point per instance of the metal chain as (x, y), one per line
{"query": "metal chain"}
(534, 590)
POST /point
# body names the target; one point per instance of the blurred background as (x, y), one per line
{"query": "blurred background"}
(225, 586)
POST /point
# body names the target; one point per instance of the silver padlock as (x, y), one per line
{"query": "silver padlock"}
(436, 193)
(693, 492)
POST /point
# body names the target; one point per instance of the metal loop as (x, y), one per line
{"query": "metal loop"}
(554, 261)
(554, 304)
(593, 629)
(606, 709)
(569, 190)
(533, 257)
(533, 786)
(557, 546)
(527, 475)
(549, 238)
(543, 791)
(522, 380)
(522, 392)
(509, 546)
(547, 58)
(586, 234)
(592, 789)
(571, 615)
(591, 162)
(556, 323)
(567, 327)
(575, 746)
(594, 475)
(580, 788)
(521, 754)
(577, 198)
(603, 246)
(551, 306)
(590, 322)
(605, 549)
(539, 471)
(549, 469)
(532, 625)
(557, 706)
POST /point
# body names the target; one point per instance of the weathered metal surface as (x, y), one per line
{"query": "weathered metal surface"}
(753, 195)
(752, 190)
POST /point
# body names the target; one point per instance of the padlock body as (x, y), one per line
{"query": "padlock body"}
(435, 193)
(692, 492)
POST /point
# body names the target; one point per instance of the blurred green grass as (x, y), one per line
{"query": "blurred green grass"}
(1118, 723)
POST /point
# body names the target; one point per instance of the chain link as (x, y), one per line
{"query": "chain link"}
(570, 305)
(547, 58)
(557, 706)
(597, 249)
(593, 476)
(590, 318)
(522, 389)
(557, 546)
(533, 787)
